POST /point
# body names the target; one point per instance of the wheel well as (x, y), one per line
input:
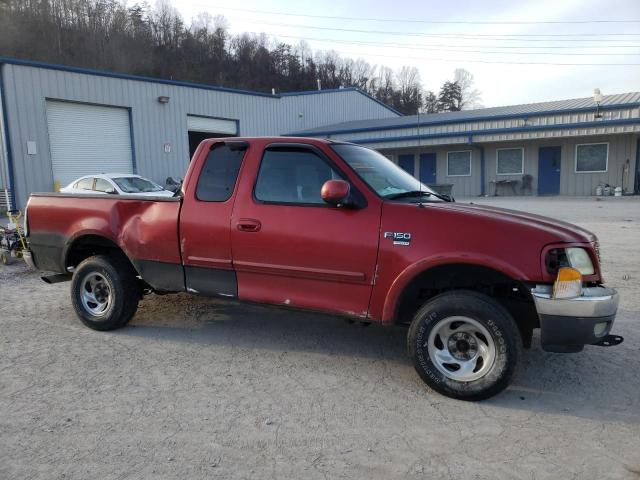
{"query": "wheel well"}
(90, 245)
(512, 294)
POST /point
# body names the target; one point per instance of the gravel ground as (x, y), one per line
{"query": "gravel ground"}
(197, 388)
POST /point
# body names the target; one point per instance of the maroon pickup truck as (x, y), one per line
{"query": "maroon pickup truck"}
(335, 227)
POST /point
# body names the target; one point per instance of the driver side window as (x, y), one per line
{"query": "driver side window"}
(292, 176)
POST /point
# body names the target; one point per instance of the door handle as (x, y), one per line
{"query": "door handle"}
(248, 225)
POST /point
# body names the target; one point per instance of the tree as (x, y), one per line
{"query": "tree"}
(450, 97)
(410, 90)
(471, 97)
(156, 42)
(430, 104)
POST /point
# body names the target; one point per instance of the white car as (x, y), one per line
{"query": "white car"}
(113, 183)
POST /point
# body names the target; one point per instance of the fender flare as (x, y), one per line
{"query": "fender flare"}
(71, 241)
(405, 277)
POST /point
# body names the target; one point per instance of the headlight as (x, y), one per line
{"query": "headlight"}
(580, 260)
(574, 257)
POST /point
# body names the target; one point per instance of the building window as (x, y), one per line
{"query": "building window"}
(459, 164)
(592, 157)
(510, 161)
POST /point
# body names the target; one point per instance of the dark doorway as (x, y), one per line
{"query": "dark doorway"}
(406, 163)
(196, 137)
(428, 168)
(549, 159)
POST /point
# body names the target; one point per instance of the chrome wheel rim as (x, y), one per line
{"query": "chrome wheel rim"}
(95, 294)
(461, 348)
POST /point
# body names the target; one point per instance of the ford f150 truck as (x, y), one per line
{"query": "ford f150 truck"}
(335, 227)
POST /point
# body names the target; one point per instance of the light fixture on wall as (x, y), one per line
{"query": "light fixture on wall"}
(163, 99)
(597, 98)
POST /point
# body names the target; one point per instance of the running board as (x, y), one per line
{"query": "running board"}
(56, 278)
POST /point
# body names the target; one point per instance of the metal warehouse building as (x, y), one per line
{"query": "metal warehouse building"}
(59, 123)
(565, 147)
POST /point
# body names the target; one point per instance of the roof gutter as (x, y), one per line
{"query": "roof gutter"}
(7, 141)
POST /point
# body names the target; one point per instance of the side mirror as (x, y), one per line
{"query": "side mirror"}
(335, 192)
(111, 191)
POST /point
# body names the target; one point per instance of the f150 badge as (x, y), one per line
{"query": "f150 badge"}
(399, 238)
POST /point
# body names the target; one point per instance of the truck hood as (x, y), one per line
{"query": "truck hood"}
(561, 231)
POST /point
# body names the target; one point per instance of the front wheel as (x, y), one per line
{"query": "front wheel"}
(464, 345)
(105, 292)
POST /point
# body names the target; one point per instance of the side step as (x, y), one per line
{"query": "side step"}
(609, 341)
(56, 278)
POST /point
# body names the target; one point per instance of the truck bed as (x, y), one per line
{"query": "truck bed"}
(145, 228)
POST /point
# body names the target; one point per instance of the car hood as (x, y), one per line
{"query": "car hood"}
(557, 229)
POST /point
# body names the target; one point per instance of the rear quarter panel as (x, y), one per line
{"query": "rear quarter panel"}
(145, 229)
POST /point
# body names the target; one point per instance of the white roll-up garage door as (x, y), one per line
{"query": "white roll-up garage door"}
(211, 125)
(87, 140)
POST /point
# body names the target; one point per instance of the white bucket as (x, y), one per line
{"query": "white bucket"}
(618, 191)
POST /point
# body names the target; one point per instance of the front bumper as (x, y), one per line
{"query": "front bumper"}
(567, 325)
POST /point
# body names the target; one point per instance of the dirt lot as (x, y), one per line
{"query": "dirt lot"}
(195, 388)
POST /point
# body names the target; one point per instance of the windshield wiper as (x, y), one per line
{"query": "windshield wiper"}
(419, 193)
(411, 193)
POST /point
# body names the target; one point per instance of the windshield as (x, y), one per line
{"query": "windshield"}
(380, 173)
(136, 185)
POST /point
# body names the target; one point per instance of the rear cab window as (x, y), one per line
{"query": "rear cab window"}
(220, 172)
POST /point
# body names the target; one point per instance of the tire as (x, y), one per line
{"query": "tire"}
(464, 345)
(105, 292)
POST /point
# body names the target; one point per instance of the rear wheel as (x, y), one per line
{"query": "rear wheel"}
(465, 345)
(105, 292)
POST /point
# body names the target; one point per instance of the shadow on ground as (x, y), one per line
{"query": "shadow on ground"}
(564, 384)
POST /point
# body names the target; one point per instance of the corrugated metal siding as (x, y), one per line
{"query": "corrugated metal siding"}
(462, 186)
(468, 129)
(521, 111)
(622, 148)
(153, 123)
(4, 171)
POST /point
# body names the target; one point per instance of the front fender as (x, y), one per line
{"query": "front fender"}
(405, 277)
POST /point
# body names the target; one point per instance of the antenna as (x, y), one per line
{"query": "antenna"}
(419, 158)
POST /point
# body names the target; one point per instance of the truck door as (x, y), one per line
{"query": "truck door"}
(290, 247)
(204, 221)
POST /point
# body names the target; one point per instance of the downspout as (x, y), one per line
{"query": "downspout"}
(7, 141)
(482, 173)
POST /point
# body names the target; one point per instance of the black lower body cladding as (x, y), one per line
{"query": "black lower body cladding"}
(570, 334)
(162, 276)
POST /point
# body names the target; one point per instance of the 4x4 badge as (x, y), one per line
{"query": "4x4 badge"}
(399, 238)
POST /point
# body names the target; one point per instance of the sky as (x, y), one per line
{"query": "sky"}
(401, 32)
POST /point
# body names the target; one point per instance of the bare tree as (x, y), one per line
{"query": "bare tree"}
(155, 41)
(471, 97)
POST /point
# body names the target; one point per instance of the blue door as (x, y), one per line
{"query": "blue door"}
(549, 170)
(428, 168)
(406, 163)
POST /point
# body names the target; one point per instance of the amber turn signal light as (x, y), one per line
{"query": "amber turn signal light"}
(568, 283)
